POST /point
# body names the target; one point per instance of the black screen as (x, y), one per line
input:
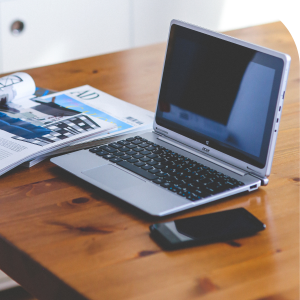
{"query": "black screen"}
(219, 93)
(220, 225)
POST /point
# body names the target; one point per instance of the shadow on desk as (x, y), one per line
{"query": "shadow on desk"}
(16, 293)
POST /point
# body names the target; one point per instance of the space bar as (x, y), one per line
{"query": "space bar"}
(137, 170)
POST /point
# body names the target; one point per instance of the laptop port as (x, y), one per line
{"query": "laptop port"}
(253, 186)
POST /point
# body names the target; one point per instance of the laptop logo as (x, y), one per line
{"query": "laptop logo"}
(205, 149)
(207, 142)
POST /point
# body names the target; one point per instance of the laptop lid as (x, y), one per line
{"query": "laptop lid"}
(222, 96)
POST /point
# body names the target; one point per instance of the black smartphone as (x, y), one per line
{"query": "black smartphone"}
(215, 227)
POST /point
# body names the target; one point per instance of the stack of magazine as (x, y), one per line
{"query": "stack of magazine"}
(37, 123)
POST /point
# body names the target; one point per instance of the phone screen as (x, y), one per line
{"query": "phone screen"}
(219, 226)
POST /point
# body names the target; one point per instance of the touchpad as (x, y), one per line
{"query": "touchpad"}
(113, 177)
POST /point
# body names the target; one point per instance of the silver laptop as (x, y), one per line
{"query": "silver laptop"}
(214, 132)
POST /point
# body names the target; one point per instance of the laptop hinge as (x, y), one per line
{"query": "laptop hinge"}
(263, 180)
(206, 157)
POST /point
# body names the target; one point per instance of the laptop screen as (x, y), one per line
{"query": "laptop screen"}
(219, 93)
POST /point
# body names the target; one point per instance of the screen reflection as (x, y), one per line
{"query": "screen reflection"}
(219, 91)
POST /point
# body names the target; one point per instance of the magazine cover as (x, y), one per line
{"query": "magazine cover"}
(30, 127)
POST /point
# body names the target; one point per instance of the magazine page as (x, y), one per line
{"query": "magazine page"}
(93, 102)
(127, 117)
(15, 86)
(30, 128)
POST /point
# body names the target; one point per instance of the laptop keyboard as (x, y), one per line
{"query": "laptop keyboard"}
(173, 171)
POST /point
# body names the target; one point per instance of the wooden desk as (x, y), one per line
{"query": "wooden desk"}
(62, 238)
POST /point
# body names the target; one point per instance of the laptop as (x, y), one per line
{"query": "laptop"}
(215, 127)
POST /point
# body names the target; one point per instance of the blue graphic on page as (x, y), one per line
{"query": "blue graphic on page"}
(68, 102)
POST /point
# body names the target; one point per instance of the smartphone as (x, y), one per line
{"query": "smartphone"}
(215, 227)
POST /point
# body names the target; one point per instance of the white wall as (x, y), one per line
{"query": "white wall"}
(238, 13)
(151, 18)
(62, 30)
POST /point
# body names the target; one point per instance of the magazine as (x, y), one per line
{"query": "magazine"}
(128, 118)
(33, 127)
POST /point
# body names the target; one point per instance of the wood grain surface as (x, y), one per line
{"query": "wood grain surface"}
(62, 238)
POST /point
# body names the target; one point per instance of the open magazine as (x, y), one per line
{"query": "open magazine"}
(31, 128)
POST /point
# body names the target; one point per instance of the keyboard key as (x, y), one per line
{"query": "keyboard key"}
(158, 181)
(125, 156)
(131, 152)
(166, 184)
(108, 149)
(115, 159)
(199, 193)
(193, 197)
(144, 145)
(219, 189)
(160, 174)
(150, 148)
(158, 166)
(138, 149)
(175, 179)
(108, 156)
(124, 149)
(167, 177)
(119, 153)
(94, 150)
(138, 156)
(130, 139)
(132, 160)
(123, 143)
(152, 155)
(229, 185)
(115, 145)
(140, 164)
(145, 159)
(131, 146)
(173, 189)
(136, 142)
(180, 175)
(196, 196)
(153, 171)
(147, 167)
(101, 153)
(152, 163)
(158, 151)
(182, 193)
(145, 152)
(158, 159)
(137, 170)
(211, 190)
